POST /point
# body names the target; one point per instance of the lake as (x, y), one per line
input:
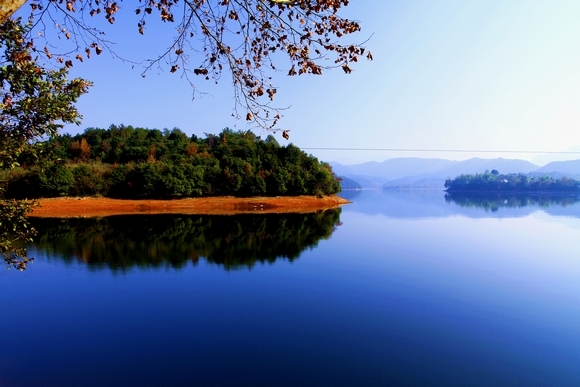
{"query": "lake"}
(399, 288)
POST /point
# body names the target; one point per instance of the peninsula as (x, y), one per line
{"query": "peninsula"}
(231, 171)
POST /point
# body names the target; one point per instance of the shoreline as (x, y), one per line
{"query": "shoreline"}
(90, 207)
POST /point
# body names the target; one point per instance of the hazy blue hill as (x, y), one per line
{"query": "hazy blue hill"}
(393, 168)
(341, 169)
(571, 167)
(374, 182)
(471, 166)
(478, 165)
(417, 181)
(347, 183)
(402, 173)
(544, 159)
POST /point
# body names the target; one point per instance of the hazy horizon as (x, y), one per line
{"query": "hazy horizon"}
(540, 160)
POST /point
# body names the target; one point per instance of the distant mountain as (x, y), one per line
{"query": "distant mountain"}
(369, 182)
(417, 181)
(547, 158)
(392, 168)
(347, 183)
(471, 166)
(477, 165)
(571, 167)
(415, 172)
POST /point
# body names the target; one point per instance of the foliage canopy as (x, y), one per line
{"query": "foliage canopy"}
(243, 39)
(129, 162)
(34, 102)
(494, 181)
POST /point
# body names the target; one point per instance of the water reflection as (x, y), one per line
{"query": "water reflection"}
(233, 242)
(493, 201)
(448, 301)
(422, 204)
(350, 194)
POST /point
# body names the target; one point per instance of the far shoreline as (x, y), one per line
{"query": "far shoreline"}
(74, 207)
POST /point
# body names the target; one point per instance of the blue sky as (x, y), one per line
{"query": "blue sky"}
(481, 75)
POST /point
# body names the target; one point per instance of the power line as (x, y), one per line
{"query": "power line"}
(442, 150)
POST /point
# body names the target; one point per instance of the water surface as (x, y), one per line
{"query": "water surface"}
(399, 288)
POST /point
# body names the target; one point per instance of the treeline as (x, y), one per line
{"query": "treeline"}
(128, 162)
(494, 181)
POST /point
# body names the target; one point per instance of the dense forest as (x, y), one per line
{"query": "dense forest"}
(494, 181)
(128, 162)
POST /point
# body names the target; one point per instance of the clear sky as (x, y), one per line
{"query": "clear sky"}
(482, 75)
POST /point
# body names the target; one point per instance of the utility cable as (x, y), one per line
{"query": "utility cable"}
(440, 150)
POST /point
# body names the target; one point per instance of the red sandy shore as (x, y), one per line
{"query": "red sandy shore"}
(226, 205)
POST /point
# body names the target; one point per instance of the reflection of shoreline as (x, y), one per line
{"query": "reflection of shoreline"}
(494, 200)
(122, 242)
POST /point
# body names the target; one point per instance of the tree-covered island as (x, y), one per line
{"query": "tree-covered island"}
(513, 182)
(211, 39)
(128, 162)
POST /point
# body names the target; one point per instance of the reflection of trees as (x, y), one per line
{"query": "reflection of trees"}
(121, 242)
(518, 182)
(492, 201)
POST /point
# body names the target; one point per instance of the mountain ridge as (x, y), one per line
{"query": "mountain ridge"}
(415, 172)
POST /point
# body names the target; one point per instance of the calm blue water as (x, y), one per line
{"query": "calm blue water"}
(399, 288)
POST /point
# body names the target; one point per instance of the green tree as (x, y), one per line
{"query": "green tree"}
(35, 102)
(55, 180)
(237, 164)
